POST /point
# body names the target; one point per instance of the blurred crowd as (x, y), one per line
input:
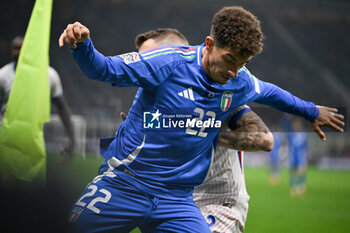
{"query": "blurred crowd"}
(312, 25)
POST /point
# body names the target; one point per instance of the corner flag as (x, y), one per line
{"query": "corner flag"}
(22, 146)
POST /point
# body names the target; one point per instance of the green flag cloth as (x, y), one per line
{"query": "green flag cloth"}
(22, 146)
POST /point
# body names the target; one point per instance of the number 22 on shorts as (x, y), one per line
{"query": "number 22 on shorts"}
(91, 205)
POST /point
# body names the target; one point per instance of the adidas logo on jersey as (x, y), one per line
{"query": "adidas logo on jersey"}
(188, 93)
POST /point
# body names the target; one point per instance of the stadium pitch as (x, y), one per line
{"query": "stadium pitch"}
(323, 209)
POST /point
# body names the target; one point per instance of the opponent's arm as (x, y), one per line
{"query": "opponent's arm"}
(249, 133)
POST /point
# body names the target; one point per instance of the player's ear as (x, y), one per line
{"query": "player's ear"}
(209, 43)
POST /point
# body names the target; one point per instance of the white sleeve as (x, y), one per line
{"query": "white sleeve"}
(55, 83)
(7, 75)
(2, 81)
(3, 98)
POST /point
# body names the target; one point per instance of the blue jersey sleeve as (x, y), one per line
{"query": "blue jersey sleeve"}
(273, 96)
(237, 114)
(129, 69)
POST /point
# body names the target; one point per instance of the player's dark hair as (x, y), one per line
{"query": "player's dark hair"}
(158, 34)
(236, 28)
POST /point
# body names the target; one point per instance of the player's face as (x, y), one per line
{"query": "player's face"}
(221, 64)
(16, 48)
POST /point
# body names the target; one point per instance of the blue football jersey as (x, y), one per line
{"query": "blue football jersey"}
(167, 143)
(297, 148)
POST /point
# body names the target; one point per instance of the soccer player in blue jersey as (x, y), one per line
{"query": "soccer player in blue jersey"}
(274, 159)
(166, 145)
(298, 150)
(222, 197)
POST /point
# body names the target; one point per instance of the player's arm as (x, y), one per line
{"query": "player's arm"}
(90, 61)
(318, 116)
(270, 94)
(65, 114)
(130, 69)
(74, 34)
(248, 133)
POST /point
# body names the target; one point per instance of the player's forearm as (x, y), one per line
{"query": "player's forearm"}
(65, 115)
(114, 70)
(284, 101)
(250, 138)
(92, 63)
(249, 133)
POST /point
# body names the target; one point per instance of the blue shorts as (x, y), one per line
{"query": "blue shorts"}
(110, 204)
(298, 159)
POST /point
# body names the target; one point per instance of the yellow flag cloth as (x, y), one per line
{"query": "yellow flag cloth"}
(22, 146)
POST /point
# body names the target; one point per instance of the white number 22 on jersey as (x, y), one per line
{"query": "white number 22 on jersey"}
(92, 203)
(201, 132)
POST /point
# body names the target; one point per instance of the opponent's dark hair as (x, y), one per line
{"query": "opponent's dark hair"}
(158, 35)
(238, 29)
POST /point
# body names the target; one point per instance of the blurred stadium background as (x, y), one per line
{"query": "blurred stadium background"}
(307, 51)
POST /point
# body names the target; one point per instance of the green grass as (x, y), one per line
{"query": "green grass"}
(324, 209)
(69, 181)
(75, 174)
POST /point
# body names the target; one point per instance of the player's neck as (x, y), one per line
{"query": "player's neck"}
(205, 61)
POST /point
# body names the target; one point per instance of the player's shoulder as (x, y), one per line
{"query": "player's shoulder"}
(250, 80)
(55, 81)
(7, 70)
(8, 67)
(243, 81)
(245, 74)
(52, 70)
(53, 74)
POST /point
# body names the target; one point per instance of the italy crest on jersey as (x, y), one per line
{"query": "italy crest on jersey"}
(226, 100)
(74, 214)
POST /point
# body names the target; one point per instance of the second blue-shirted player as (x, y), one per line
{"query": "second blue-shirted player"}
(166, 145)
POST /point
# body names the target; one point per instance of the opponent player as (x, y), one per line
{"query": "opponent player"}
(7, 76)
(153, 169)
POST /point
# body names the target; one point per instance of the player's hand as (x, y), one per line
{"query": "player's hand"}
(327, 117)
(74, 33)
(67, 153)
(122, 116)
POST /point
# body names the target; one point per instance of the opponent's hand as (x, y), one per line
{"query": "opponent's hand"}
(327, 117)
(74, 34)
